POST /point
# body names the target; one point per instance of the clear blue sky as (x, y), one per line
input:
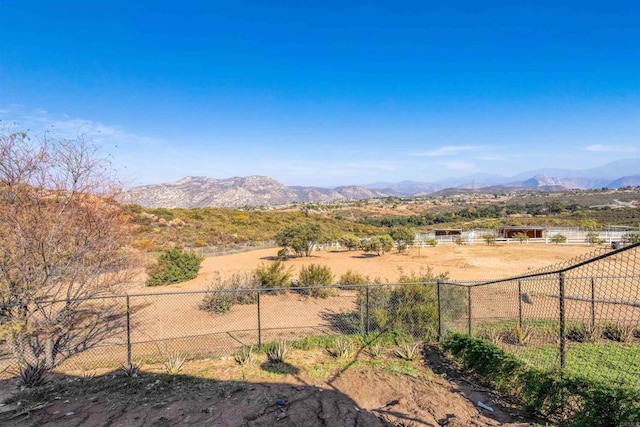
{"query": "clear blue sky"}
(327, 92)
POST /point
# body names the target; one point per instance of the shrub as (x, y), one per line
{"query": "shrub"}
(313, 279)
(631, 238)
(593, 238)
(174, 266)
(582, 332)
(558, 238)
(273, 275)
(411, 308)
(222, 296)
(351, 278)
(521, 237)
(567, 400)
(377, 298)
(459, 240)
(618, 331)
(431, 241)
(489, 238)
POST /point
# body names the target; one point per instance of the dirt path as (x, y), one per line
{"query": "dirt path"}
(312, 389)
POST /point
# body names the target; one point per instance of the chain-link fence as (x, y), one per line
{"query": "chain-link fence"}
(582, 316)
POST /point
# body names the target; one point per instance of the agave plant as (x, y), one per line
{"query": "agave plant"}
(244, 356)
(408, 351)
(343, 348)
(174, 363)
(376, 350)
(278, 352)
(130, 370)
(522, 335)
(32, 376)
(618, 331)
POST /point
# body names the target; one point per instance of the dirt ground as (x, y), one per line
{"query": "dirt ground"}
(315, 388)
(312, 389)
(468, 262)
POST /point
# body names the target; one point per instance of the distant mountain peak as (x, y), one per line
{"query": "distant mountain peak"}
(259, 190)
(253, 190)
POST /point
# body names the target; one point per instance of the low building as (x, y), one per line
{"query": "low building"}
(532, 232)
(448, 232)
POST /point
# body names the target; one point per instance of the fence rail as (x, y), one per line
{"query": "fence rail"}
(580, 316)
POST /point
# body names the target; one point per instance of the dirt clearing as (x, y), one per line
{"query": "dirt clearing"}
(468, 262)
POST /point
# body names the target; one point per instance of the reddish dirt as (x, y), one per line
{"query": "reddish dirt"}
(356, 392)
(468, 262)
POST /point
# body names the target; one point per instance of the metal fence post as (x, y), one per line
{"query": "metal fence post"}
(593, 302)
(367, 311)
(439, 312)
(259, 324)
(520, 304)
(563, 343)
(469, 306)
(129, 361)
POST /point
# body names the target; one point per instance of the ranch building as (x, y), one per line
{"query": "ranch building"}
(510, 232)
(448, 232)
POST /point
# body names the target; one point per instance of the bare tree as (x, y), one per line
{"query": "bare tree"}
(62, 243)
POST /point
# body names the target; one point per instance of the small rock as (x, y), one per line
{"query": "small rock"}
(163, 418)
(68, 414)
(67, 401)
(299, 388)
(207, 411)
(280, 402)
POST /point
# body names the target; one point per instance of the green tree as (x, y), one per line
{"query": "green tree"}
(489, 238)
(300, 237)
(350, 241)
(521, 237)
(403, 236)
(558, 238)
(593, 238)
(378, 244)
(556, 207)
(174, 266)
(631, 238)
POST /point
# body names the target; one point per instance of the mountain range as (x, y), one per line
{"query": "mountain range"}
(265, 191)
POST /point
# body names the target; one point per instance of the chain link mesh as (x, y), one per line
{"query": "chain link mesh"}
(582, 315)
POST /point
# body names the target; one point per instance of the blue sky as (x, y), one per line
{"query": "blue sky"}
(327, 93)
